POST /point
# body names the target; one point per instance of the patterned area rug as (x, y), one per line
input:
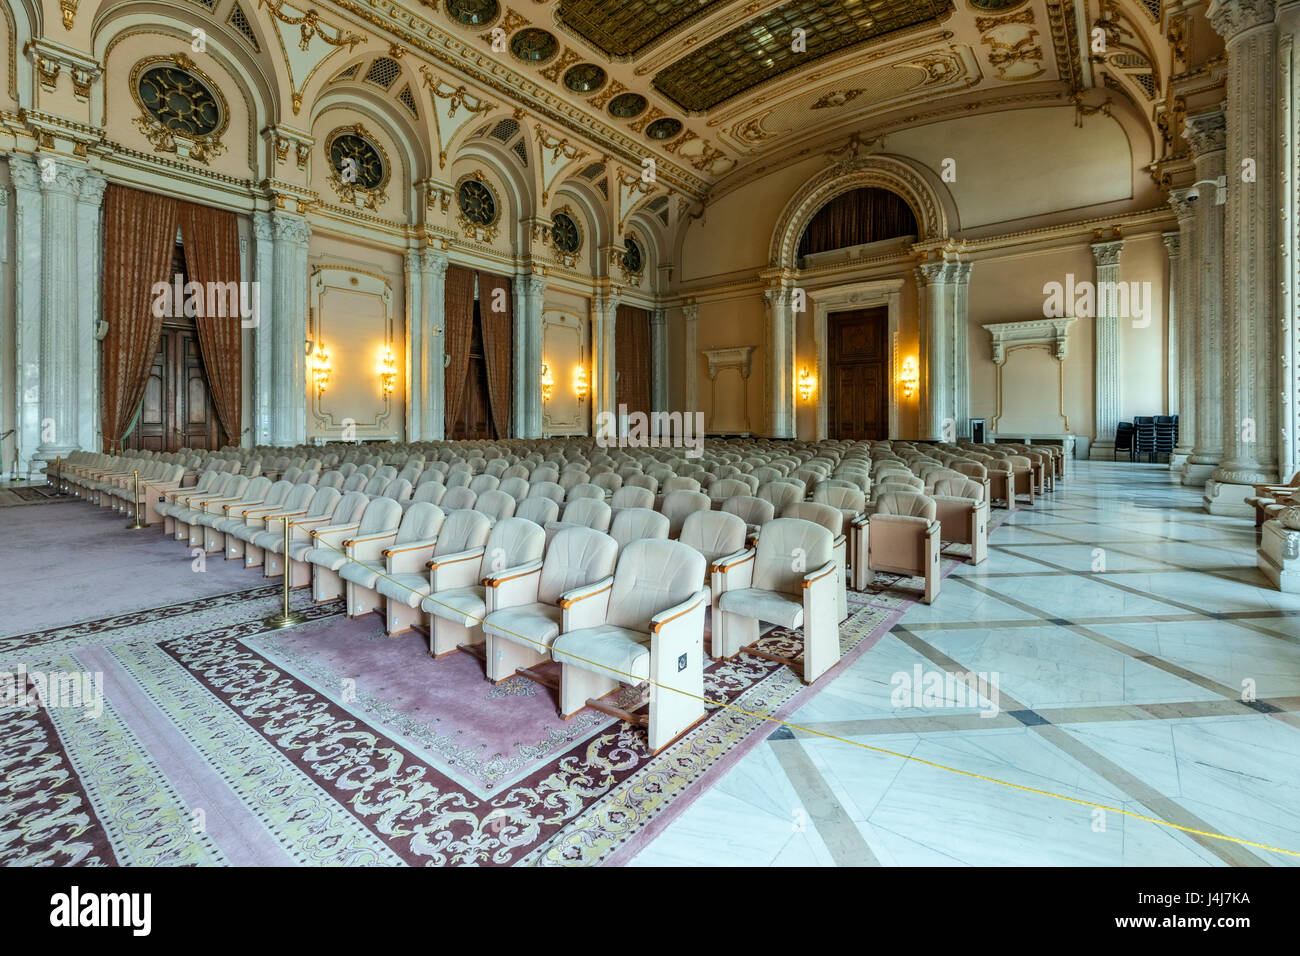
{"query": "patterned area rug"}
(219, 741)
(31, 495)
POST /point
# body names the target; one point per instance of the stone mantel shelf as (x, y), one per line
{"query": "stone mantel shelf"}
(1045, 332)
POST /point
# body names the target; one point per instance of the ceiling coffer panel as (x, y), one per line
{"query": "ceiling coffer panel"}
(620, 28)
(764, 47)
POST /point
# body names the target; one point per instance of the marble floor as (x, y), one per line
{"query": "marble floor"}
(1133, 658)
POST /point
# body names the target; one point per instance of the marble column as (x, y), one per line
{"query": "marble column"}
(1184, 269)
(519, 362)
(960, 288)
(659, 360)
(1288, 248)
(27, 307)
(534, 297)
(433, 301)
(690, 360)
(604, 313)
(780, 362)
(90, 248)
(1249, 264)
(416, 371)
(1108, 389)
(937, 298)
(263, 336)
(288, 316)
(1173, 249)
(1205, 137)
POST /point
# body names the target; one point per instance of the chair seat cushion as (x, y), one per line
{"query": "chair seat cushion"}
(364, 573)
(532, 625)
(326, 558)
(409, 588)
(771, 606)
(617, 652)
(462, 605)
(268, 541)
(246, 531)
(208, 520)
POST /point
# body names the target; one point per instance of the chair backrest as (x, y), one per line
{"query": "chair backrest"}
(632, 524)
(458, 498)
(331, 479)
(715, 534)
(431, 493)
(422, 520)
(376, 485)
(908, 504)
(750, 509)
(630, 496)
(575, 557)
(788, 549)
(540, 511)
(399, 489)
(495, 504)
(459, 477)
(277, 494)
(832, 519)
(588, 512)
(962, 487)
(648, 482)
(516, 488)
(779, 493)
(546, 489)
(256, 490)
(481, 483)
(652, 576)
(843, 495)
(513, 541)
(680, 484)
(608, 481)
(461, 531)
(586, 489)
(351, 507)
(678, 504)
(725, 488)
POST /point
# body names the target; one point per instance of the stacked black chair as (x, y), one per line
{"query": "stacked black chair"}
(1123, 439)
(1166, 434)
(1144, 438)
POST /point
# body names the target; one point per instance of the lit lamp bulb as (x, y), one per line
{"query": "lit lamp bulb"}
(909, 377)
(388, 372)
(807, 384)
(580, 382)
(548, 382)
(322, 369)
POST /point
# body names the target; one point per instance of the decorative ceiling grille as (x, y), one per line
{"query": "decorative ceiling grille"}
(383, 72)
(620, 28)
(407, 99)
(239, 21)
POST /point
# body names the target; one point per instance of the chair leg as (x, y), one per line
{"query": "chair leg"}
(577, 686)
(445, 636)
(326, 585)
(505, 656)
(737, 631)
(400, 617)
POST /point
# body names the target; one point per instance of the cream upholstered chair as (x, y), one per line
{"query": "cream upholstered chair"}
(240, 519)
(632, 524)
(524, 605)
(241, 540)
(407, 580)
(229, 490)
(379, 517)
(546, 489)
(832, 519)
(781, 494)
(632, 496)
(516, 488)
(677, 505)
(495, 504)
(724, 488)
(457, 498)
(585, 490)
(203, 529)
(581, 513)
(754, 511)
(900, 535)
(788, 580)
(647, 624)
(368, 557)
(719, 536)
(963, 514)
(481, 483)
(270, 543)
(1023, 477)
(540, 511)
(457, 601)
(429, 493)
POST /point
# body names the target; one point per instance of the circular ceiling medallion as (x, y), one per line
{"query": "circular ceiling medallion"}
(565, 233)
(356, 160)
(994, 6)
(180, 101)
(627, 105)
(473, 13)
(533, 45)
(477, 203)
(665, 128)
(584, 78)
(633, 261)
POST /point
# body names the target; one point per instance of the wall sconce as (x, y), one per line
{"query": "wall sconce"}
(388, 372)
(807, 384)
(321, 368)
(909, 377)
(548, 382)
(580, 384)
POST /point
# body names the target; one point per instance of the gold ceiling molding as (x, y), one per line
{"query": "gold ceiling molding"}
(558, 147)
(200, 148)
(1065, 42)
(457, 95)
(312, 26)
(1005, 57)
(68, 8)
(508, 24)
(561, 63)
(667, 53)
(608, 93)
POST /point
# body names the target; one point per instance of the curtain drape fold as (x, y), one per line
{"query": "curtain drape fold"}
(458, 327)
(498, 329)
(632, 358)
(210, 238)
(139, 237)
(862, 215)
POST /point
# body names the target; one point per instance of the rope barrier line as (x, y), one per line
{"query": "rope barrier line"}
(817, 733)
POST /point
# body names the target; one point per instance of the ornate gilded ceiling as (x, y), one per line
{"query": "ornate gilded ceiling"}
(768, 46)
(623, 28)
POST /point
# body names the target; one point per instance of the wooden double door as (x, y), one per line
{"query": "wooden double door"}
(858, 373)
(177, 410)
(474, 423)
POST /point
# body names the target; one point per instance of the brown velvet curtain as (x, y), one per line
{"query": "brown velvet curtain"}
(632, 358)
(856, 217)
(210, 238)
(498, 331)
(139, 237)
(458, 328)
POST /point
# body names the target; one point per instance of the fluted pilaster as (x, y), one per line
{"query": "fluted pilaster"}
(780, 361)
(1108, 388)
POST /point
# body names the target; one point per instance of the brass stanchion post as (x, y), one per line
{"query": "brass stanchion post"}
(286, 617)
(137, 524)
